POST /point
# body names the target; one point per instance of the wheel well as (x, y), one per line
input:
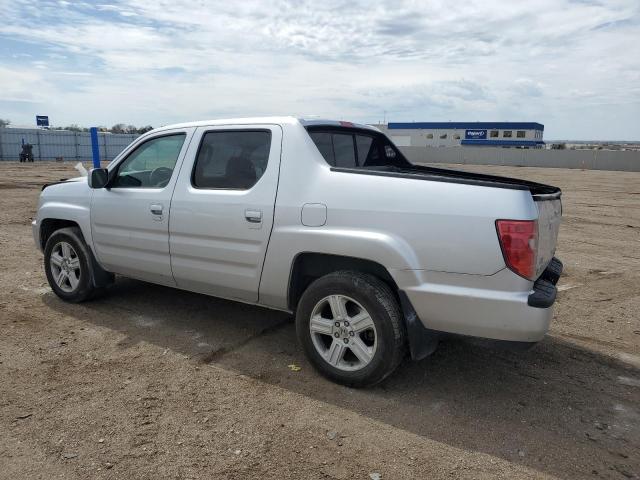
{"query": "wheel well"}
(308, 266)
(50, 225)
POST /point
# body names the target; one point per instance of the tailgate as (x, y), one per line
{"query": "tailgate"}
(549, 216)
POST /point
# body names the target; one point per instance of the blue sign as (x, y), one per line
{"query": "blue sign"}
(475, 135)
(42, 120)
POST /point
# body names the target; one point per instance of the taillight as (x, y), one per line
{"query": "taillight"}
(519, 239)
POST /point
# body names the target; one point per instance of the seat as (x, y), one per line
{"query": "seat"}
(240, 173)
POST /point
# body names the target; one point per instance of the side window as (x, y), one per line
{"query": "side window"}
(231, 159)
(151, 164)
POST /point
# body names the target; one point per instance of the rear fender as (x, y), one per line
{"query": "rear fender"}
(287, 243)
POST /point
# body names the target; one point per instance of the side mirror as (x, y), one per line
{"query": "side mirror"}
(98, 178)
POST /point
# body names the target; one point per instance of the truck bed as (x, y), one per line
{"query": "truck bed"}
(539, 191)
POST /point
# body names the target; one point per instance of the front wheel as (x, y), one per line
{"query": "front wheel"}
(351, 328)
(66, 264)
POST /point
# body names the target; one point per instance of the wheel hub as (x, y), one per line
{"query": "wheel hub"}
(342, 331)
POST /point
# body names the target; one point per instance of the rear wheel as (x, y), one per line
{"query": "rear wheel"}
(66, 264)
(351, 329)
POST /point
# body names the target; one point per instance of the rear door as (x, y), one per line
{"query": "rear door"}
(130, 219)
(222, 210)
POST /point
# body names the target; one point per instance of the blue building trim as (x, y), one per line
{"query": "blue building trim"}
(465, 125)
(504, 143)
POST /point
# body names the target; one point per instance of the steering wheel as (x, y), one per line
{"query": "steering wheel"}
(160, 176)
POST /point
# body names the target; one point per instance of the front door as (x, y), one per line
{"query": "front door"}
(130, 218)
(222, 210)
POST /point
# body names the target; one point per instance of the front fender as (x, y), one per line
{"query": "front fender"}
(70, 201)
(73, 213)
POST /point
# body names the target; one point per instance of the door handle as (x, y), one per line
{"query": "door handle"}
(253, 216)
(156, 208)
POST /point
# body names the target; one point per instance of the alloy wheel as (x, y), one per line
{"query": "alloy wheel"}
(343, 332)
(65, 266)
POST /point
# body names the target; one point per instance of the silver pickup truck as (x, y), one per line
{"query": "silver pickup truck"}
(376, 256)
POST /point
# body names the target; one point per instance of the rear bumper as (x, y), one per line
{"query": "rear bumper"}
(499, 307)
(544, 289)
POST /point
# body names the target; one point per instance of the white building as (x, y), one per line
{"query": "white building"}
(453, 134)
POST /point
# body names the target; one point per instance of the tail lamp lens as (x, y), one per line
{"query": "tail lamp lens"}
(519, 239)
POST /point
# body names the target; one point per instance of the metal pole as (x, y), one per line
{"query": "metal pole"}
(95, 148)
(39, 147)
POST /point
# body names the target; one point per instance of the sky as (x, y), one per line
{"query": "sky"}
(572, 65)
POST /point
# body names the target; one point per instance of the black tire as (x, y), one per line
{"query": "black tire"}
(84, 289)
(380, 303)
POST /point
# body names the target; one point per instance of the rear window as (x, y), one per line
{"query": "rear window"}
(364, 144)
(325, 145)
(344, 151)
(351, 148)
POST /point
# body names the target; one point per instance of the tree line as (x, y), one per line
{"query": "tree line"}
(117, 128)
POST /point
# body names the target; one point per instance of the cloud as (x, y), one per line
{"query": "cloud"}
(526, 88)
(154, 62)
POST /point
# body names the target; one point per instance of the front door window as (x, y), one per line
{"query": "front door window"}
(151, 164)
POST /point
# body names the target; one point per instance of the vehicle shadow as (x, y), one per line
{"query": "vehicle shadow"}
(557, 408)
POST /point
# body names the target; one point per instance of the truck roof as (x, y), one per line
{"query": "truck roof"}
(284, 120)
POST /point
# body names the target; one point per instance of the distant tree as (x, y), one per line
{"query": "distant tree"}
(102, 128)
(74, 128)
(4, 122)
(131, 129)
(119, 128)
(144, 129)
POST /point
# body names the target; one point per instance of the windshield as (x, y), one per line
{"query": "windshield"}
(344, 147)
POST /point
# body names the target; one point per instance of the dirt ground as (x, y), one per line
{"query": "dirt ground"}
(150, 382)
